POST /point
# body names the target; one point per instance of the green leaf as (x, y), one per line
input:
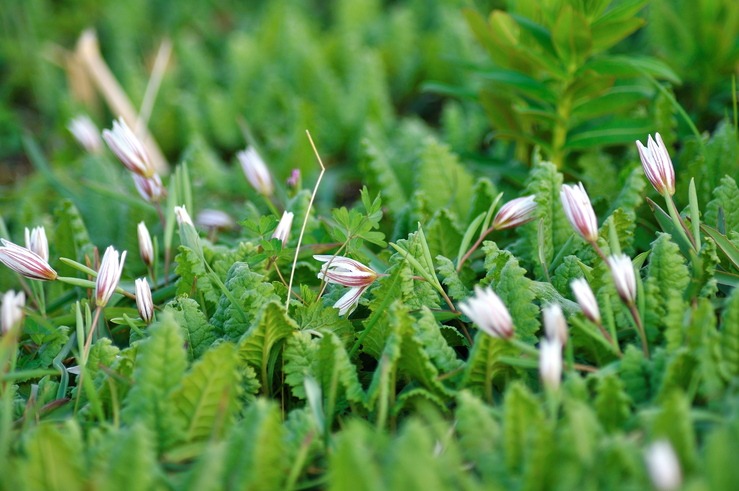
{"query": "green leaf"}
(484, 365)
(727, 247)
(545, 182)
(378, 161)
(449, 277)
(207, 398)
(571, 37)
(427, 331)
(675, 423)
(52, 458)
(268, 332)
(612, 403)
(634, 374)
(251, 291)
(509, 281)
(667, 280)
(353, 465)
(200, 334)
(479, 433)
(131, 460)
(523, 419)
(71, 238)
(256, 450)
(616, 131)
(206, 474)
(160, 364)
(730, 337)
(439, 175)
(444, 237)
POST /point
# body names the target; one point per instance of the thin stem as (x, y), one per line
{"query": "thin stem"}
(639, 328)
(474, 248)
(88, 342)
(679, 222)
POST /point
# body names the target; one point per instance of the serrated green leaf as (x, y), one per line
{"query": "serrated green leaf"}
(207, 398)
(440, 176)
(268, 331)
(484, 365)
(667, 280)
(160, 364)
(353, 464)
(256, 453)
(612, 403)
(675, 423)
(130, 460)
(53, 458)
(200, 334)
(444, 237)
(252, 292)
(634, 374)
(450, 278)
(523, 418)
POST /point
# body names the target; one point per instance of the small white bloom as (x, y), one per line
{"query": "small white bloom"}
(256, 171)
(214, 219)
(586, 299)
(149, 188)
(663, 466)
(86, 133)
(514, 213)
(36, 242)
(11, 311)
(487, 310)
(108, 276)
(344, 271)
(657, 165)
(128, 148)
(555, 324)
(550, 363)
(282, 231)
(579, 211)
(183, 217)
(146, 248)
(25, 262)
(144, 302)
(624, 278)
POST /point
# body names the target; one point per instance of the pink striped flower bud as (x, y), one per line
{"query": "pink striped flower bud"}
(11, 310)
(256, 171)
(514, 213)
(487, 310)
(128, 148)
(109, 275)
(25, 262)
(624, 278)
(344, 271)
(86, 134)
(282, 231)
(144, 302)
(586, 299)
(150, 188)
(657, 164)
(579, 211)
(214, 219)
(146, 248)
(36, 242)
(555, 325)
(550, 363)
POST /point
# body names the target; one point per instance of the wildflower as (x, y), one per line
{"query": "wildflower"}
(555, 324)
(108, 276)
(514, 213)
(25, 262)
(586, 299)
(183, 217)
(487, 310)
(144, 302)
(579, 211)
(86, 133)
(657, 165)
(550, 363)
(150, 188)
(344, 271)
(36, 242)
(11, 311)
(622, 271)
(129, 149)
(256, 171)
(283, 228)
(214, 219)
(663, 466)
(294, 180)
(146, 248)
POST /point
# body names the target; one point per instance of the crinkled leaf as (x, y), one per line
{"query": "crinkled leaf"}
(200, 334)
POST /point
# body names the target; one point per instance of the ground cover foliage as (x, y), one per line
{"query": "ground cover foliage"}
(429, 117)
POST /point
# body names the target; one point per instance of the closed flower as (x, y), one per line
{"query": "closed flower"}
(487, 310)
(344, 271)
(109, 275)
(256, 171)
(579, 211)
(25, 262)
(144, 302)
(657, 164)
(129, 149)
(514, 213)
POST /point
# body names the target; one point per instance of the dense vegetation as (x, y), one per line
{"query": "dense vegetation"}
(264, 359)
